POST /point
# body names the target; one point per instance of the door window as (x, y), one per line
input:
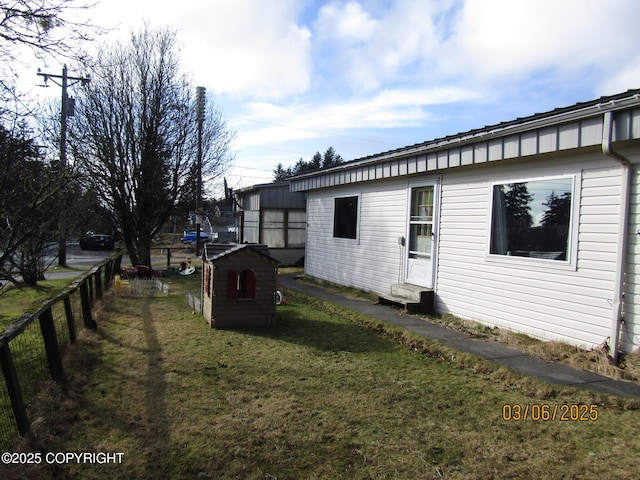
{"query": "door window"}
(421, 222)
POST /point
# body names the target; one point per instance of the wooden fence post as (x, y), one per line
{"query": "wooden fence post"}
(71, 323)
(116, 264)
(98, 283)
(13, 388)
(85, 299)
(89, 282)
(48, 328)
(108, 274)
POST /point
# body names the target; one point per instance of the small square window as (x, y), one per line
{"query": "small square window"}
(345, 217)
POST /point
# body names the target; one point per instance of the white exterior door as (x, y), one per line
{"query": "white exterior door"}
(421, 235)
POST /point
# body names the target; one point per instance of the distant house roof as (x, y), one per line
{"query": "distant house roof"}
(270, 195)
(216, 251)
(259, 186)
(579, 125)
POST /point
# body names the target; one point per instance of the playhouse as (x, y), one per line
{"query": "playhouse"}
(239, 282)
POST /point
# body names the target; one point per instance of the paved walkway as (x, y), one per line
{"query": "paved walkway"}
(515, 360)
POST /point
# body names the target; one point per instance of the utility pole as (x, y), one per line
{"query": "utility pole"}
(200, 106)
(66, 110)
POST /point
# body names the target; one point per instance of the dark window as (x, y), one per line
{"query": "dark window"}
(241, 285)
(247, 284)
(345, 217)
(532, 219)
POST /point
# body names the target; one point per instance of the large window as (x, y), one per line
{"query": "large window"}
(532, 218)
(345, 217)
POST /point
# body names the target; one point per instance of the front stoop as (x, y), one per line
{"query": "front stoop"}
(412, 298)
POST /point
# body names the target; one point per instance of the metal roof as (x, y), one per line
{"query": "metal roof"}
(579, 125)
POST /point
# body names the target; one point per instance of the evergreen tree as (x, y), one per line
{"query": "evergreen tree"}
(519, 218)
(331, 158)
(318, 162)
(280, 173)
(558, 210)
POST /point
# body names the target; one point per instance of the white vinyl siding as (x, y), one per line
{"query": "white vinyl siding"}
(564, 302)
(372, 262)
(535, 297)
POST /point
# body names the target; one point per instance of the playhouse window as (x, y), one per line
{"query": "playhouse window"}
(345, 217)
(533, 219)
(242, 284)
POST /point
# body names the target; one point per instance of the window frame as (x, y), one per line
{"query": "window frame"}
(570, 263)
(356, 225)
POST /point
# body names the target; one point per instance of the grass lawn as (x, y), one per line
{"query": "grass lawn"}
(325, 394)
(14, 302)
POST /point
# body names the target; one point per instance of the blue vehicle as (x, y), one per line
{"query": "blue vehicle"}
(190, 236)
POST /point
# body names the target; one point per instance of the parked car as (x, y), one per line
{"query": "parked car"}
(190, 237)
(96, 241)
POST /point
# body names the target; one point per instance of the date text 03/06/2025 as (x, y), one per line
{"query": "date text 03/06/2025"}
(578, 412)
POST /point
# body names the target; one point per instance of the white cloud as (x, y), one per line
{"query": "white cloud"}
(248, 48)
(349, 23)
(369, 48)
(494, 39)
(623, 79)
(476, 42)
(268, 124)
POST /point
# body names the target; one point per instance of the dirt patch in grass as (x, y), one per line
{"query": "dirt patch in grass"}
(325, 394)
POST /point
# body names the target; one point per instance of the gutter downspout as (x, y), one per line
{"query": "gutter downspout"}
(623, 222)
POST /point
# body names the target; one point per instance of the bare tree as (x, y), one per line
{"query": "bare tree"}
(42, 27)
(135, 136)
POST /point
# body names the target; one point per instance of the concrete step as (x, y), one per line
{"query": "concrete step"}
(411, 298)
(408, 291)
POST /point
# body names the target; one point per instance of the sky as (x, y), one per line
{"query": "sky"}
(295, 77)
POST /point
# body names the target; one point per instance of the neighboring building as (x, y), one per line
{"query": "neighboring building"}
(530, 225)
(239, 284)
(274, 216)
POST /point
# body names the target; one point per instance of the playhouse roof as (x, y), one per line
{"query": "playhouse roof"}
(216, 251)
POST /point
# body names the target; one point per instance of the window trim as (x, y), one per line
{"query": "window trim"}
(532, 262)
(356, 238)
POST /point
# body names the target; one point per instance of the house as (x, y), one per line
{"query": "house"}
(239, 283)
(530, 225)
(274, 216)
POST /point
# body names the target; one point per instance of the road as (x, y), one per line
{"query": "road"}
(76, 257)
